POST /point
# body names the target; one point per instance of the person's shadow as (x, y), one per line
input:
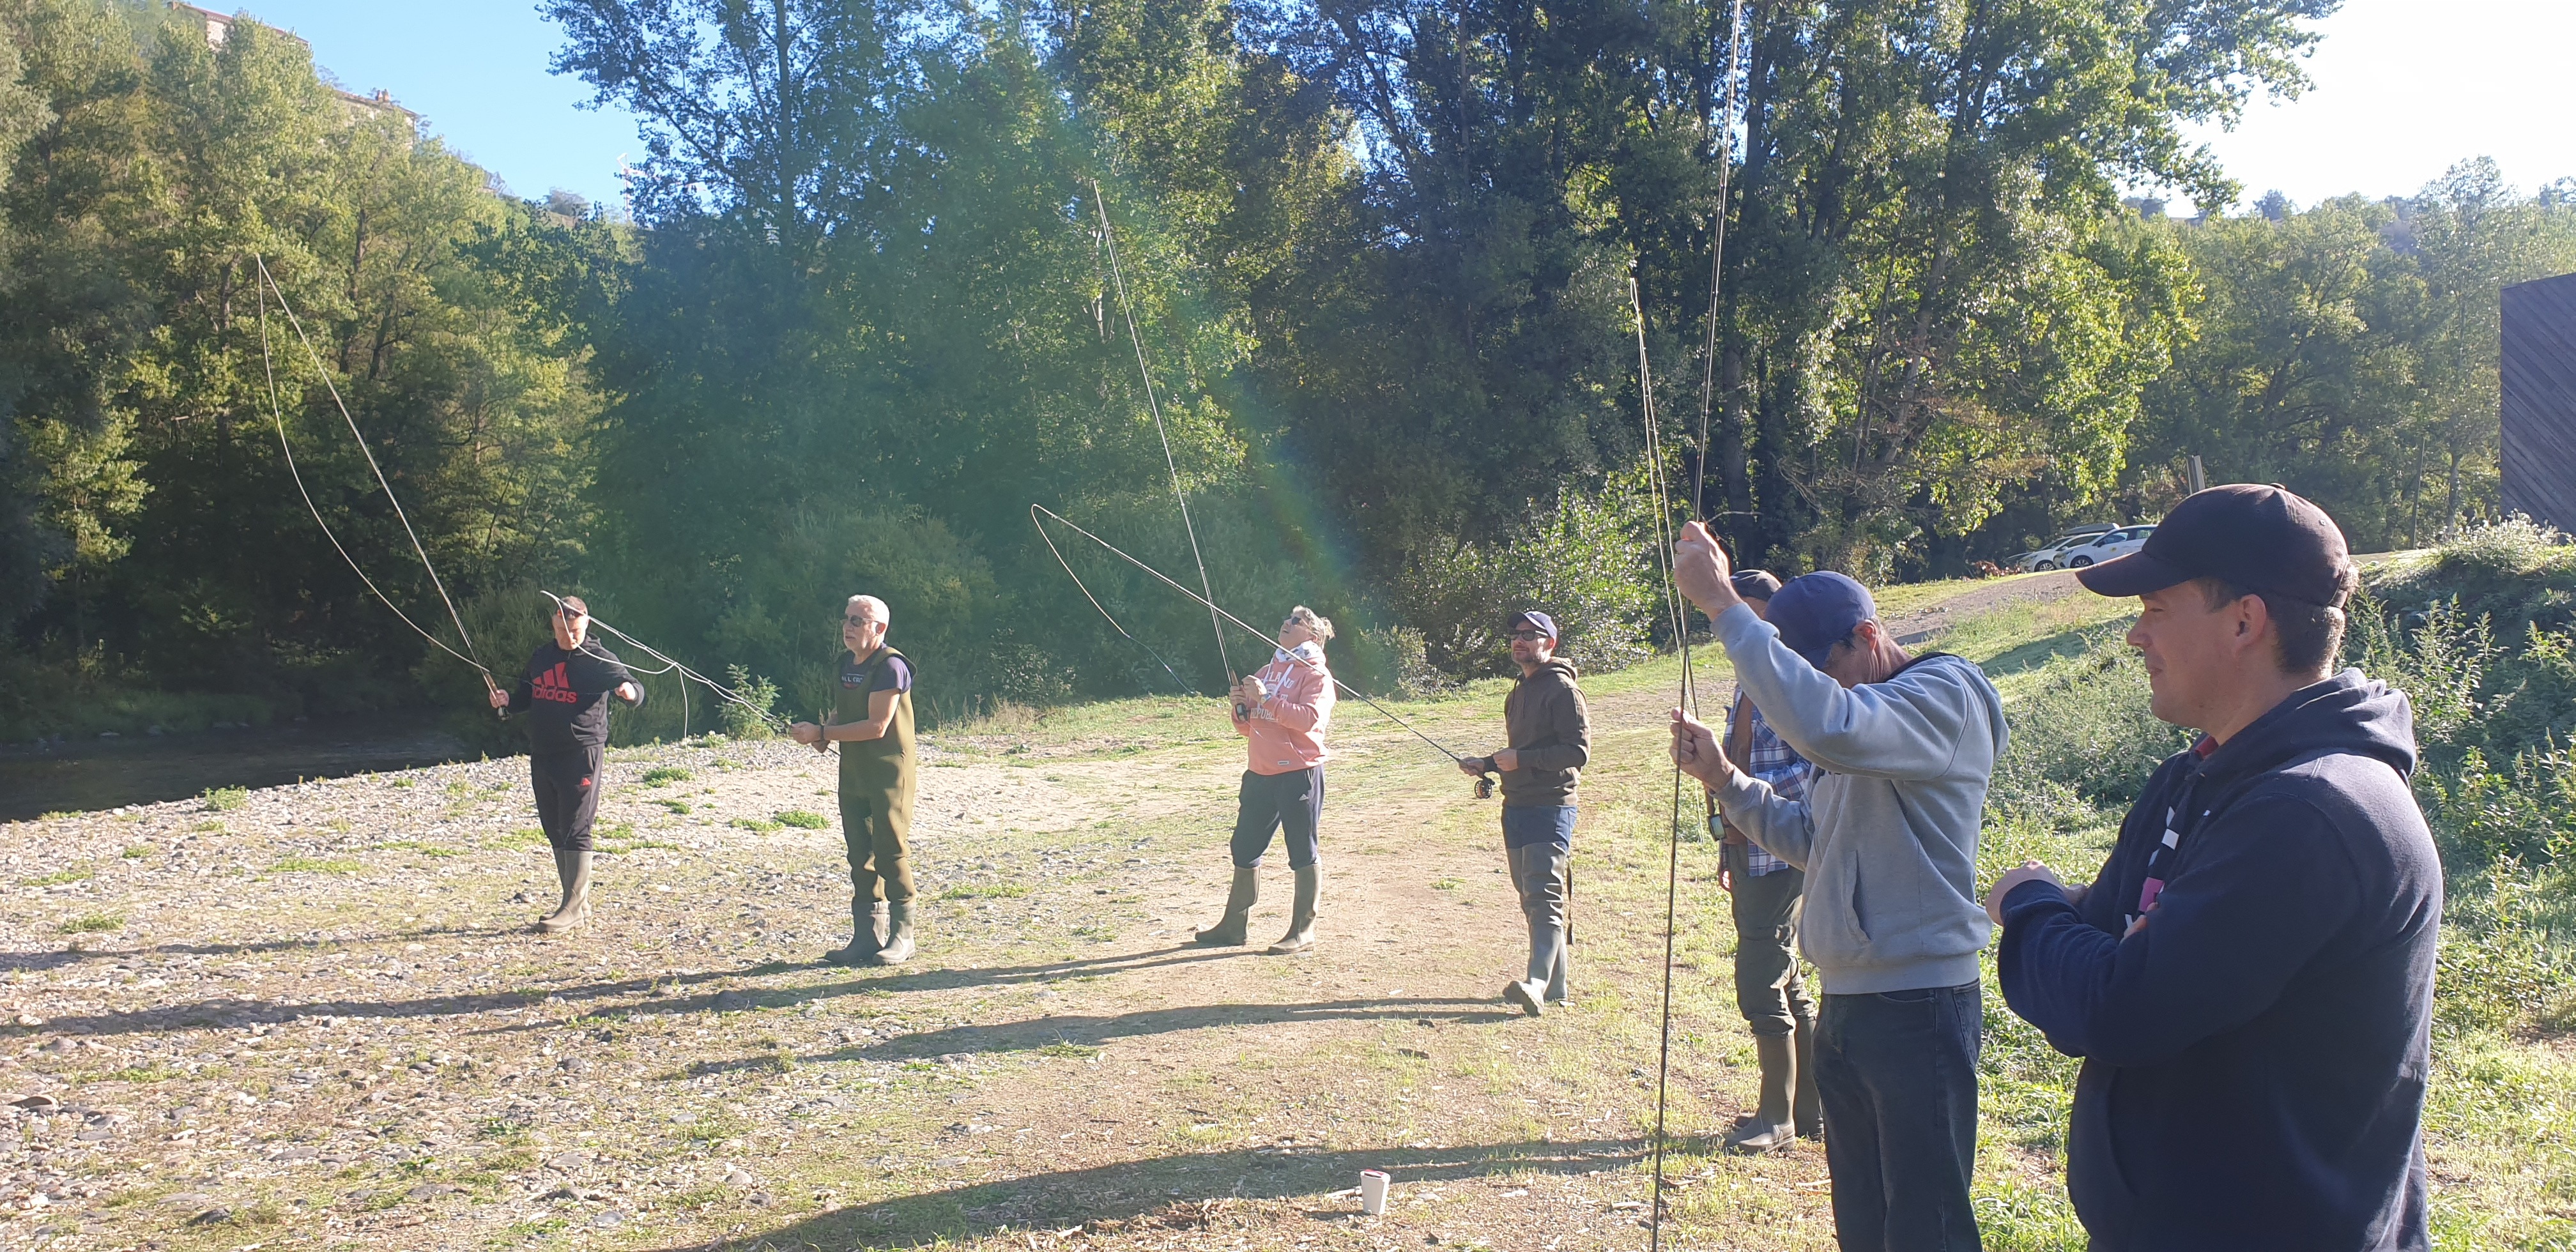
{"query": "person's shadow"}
(1167, 1195)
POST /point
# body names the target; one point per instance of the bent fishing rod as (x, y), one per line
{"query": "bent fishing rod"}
(1036, 509)
(725, 693)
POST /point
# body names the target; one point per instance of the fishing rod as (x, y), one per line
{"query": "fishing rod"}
(277, 416)
(1043, 537)
(1109, 241)
(728, 694)
(1698, 500)
(1036, 509)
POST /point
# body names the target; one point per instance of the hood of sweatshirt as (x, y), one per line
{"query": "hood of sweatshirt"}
(1558, 664)
(2347, 713)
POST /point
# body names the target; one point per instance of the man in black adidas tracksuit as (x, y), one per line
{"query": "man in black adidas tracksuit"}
(565, 689)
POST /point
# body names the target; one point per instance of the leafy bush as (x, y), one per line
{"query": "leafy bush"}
(2082, 736)
(1587, 562)
(225, 799)
(760, 693)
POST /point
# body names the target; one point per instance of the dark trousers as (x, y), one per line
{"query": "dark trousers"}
(1769, 989)
(567, 787)
(1897, 1073)
(875, 831)
(1270, 803)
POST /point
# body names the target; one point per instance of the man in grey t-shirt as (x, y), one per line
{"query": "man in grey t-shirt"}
(1903, 747)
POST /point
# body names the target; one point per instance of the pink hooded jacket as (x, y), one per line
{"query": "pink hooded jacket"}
(1286, 729)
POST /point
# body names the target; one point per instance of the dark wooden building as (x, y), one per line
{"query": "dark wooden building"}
(2539, 383)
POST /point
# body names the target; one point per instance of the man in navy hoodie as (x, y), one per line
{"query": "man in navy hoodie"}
(2250, 978)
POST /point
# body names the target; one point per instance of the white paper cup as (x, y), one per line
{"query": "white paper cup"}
(1373, 1191)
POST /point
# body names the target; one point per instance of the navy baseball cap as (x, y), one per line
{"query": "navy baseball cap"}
(1537, 621)
(1813, 612)
(1756, 584)
(2260, 538)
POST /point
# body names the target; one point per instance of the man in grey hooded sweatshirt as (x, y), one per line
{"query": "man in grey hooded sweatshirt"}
(1887, 835)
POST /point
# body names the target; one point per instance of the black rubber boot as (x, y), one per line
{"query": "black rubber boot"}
(1239, 899)
(898, 944)
(867, 936)
(1769, 1129)
(574, 869)
(1301, 917)
(1809, 1109)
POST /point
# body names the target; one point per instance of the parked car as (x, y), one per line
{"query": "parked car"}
(2120, 542)
(2050, 555)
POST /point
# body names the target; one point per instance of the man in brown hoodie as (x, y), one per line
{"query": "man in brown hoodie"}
(1551, 738)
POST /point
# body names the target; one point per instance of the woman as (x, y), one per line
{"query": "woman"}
(1282, 711)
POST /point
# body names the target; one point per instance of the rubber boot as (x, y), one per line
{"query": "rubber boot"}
(1546, 963)
(898, 942)
(867, 936)
(1809, 1109)
(1239, 900)
(1301, 917)
(1558, 990)
(574, 869)
(1769, 1129)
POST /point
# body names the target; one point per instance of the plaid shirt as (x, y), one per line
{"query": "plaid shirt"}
(1776, 763)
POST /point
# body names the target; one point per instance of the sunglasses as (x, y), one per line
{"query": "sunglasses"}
(1529, 636)
(858, 621)
(570, 615)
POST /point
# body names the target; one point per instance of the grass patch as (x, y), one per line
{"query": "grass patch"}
(754, 824)
(680, 807)
(661, 774)
(1068, 1051)
(521, 838)
(315, 865)
(138, 852)
(224, 799)
(415, 845)
(91, 924)
(67, 874)
(803, 820)
(985, 891)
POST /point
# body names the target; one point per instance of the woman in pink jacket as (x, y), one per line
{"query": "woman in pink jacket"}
(1282, 711)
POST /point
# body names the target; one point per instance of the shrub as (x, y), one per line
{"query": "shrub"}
(1588, 562)
(225, 799)
(758, 692)
(2082, 736)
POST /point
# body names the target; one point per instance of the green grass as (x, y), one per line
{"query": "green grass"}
(91, 923)
(661, 774)
(225, 799)
(138, 852)
(985, 891)
(754, 824)
(414, 845)
(67, 874)
(315, 865)
(802, 819)
(680, 807)
(524, 837)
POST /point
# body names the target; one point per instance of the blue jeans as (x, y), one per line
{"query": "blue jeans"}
(1897, 1074)
(1538, 841)
(1270, 803)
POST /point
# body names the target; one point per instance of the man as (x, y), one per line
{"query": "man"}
(1283, 711)
(1903, 747)
(565, 688)
(1763, 893)
(2250, 977)
(872, 721)
(1549, 728)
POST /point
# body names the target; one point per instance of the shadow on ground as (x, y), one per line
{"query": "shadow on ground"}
(1146, 1191)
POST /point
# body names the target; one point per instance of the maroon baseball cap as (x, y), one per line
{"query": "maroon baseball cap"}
(2260, 538)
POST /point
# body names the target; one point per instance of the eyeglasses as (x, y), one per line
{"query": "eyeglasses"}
(1529, 636)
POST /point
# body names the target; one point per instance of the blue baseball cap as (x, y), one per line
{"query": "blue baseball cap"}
(1813, 612)
(1537, 621)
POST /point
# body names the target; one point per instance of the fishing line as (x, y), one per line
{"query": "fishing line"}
(1043, 537)
(1717, 258)
(1109, 239)
(277, 417)
(772, 720)
(1353, 692)
(369, 453)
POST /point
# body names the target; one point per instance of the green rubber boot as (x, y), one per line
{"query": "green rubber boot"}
(1301, 917)
(898, 944)
(1239, 899)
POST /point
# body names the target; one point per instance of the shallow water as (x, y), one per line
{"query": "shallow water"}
(104, 774)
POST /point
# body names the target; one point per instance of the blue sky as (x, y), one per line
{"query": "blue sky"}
(2404, 88)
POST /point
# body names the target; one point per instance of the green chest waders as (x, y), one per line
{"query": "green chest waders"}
(877, 783)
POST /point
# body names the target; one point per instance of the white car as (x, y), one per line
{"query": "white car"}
(2052, 554)
(2102, 548)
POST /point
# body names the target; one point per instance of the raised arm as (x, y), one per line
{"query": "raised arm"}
(1911, 726)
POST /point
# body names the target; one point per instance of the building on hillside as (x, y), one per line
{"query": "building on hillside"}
(2538, 377)
(219, 27)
